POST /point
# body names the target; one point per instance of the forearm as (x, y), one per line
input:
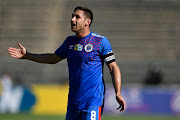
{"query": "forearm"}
(116, 79)
(40, 58)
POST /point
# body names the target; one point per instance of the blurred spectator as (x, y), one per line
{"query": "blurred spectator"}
(7, 84)
(154, 75)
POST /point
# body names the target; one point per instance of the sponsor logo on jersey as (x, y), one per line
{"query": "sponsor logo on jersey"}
(88, 47)
(93, 34)
(78, 47)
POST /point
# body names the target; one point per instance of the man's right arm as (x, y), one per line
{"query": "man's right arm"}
(21, 53)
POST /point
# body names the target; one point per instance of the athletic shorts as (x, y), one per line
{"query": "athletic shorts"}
(92, 113)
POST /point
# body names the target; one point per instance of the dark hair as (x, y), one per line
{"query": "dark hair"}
(87, 12)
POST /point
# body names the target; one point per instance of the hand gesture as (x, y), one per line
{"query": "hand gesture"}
(121, 102)
(17, 53)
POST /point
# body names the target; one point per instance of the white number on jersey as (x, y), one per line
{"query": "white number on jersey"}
(93, 115)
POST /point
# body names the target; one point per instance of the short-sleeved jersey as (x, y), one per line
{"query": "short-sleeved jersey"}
(85, 57)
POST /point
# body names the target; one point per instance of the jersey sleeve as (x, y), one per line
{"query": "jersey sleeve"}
(61, 51)
(106, 51)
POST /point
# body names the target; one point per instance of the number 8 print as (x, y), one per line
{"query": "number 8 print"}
(93, 115)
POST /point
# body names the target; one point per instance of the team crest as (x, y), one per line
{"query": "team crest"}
(88, 47)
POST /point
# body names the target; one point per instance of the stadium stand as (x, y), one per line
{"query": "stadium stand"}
(140, 31)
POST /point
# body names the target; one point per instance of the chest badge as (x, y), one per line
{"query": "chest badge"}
(88, 47)
(78, 47)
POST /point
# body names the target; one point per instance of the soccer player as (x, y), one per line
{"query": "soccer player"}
(86, 53)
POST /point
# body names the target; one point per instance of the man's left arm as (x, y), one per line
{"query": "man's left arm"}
(116, 79)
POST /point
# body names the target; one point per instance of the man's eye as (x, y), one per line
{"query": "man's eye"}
(77, 16)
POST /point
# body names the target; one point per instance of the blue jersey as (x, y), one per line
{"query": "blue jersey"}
(85, 57)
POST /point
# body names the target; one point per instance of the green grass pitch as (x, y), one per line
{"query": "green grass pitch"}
(105, 117)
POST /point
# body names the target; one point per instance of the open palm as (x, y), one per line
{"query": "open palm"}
(17, 53)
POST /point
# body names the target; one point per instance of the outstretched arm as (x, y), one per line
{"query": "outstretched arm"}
(41, 58)
(116, 79)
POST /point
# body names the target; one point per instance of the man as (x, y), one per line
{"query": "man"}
(86, 53)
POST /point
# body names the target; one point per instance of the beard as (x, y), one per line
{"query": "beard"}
(76, 29)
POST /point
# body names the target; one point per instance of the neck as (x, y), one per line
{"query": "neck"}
(82, 34)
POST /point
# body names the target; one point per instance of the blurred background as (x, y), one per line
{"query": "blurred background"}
(144, 35)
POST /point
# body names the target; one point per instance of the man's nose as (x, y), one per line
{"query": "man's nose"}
(73, 19)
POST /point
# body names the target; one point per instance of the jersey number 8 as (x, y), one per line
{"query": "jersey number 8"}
(93, 115)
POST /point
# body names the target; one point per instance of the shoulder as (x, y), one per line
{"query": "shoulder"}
(71, 37)
(99, 38)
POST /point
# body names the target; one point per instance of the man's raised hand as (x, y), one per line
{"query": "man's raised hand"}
(17, 53)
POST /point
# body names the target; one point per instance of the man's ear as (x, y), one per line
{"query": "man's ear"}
(88, 21)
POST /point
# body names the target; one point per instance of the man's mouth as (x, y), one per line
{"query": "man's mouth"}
(73, 25)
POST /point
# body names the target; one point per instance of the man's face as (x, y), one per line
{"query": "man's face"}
(78, 21)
